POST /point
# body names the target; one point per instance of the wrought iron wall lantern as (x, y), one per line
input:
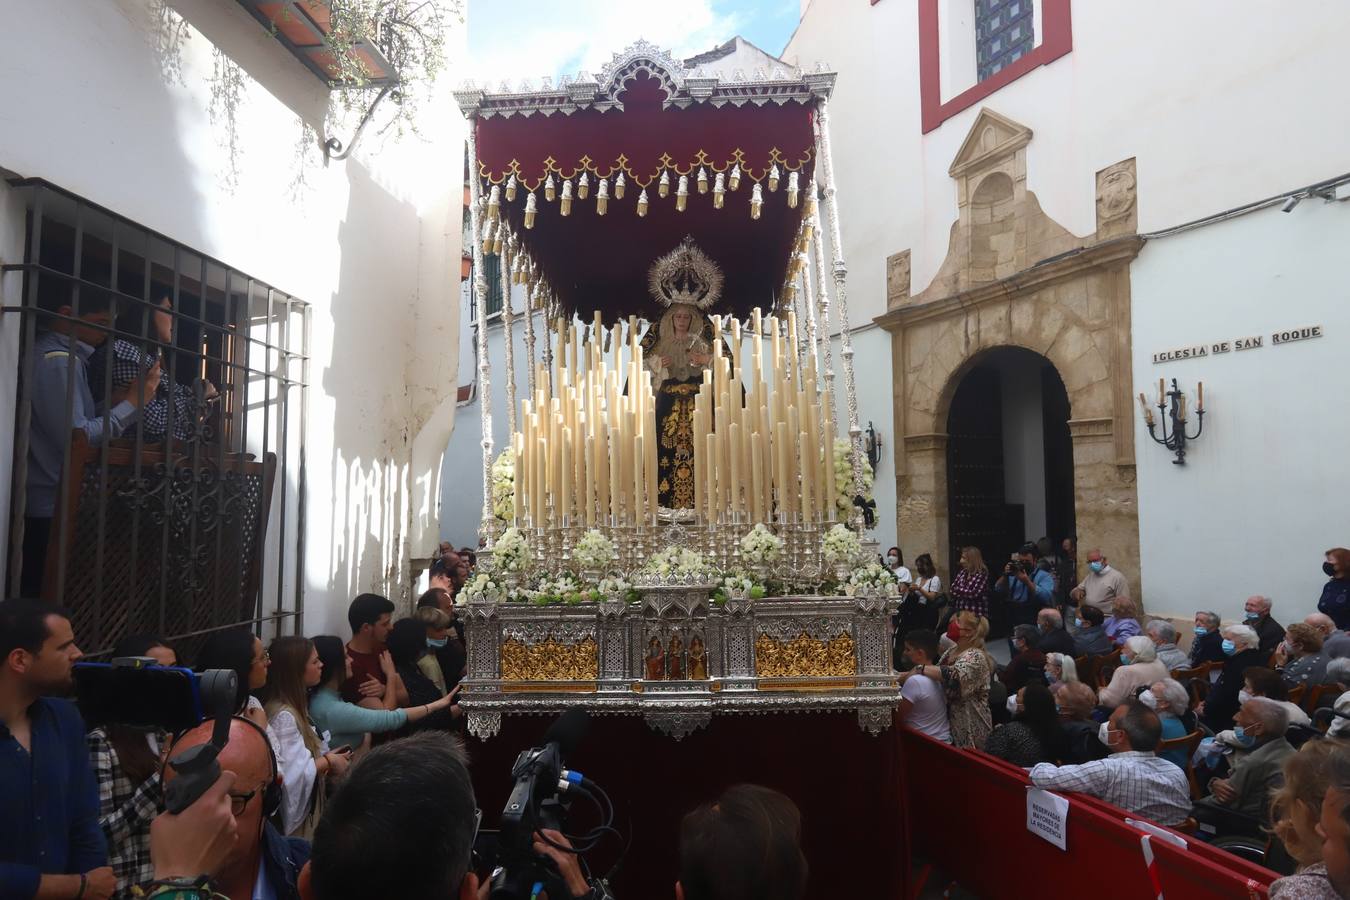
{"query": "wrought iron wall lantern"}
(305, 28)
(872, 444)
(1172, 404)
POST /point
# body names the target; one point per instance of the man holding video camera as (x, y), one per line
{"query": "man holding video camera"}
(50, 841)
(1026, 587)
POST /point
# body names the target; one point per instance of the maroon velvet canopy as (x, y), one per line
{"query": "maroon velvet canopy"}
(601, 262)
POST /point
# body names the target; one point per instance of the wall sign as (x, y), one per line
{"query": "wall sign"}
(1255, 342)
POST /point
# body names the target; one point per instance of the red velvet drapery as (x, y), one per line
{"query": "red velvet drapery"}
(601, 262)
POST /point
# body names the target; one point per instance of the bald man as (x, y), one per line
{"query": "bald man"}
(1335, 644)
(264, 864)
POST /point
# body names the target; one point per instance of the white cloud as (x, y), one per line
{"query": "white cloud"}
(524, 39)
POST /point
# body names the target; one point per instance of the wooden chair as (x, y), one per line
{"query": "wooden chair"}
(1320, 695)
(1189, 743)
(1105, 666)
(1084, 665)
(1296, 694)
(1196, 680)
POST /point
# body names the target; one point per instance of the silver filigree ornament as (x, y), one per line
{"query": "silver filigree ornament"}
(685, 275)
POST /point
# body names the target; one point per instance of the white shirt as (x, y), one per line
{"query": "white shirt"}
(1139, 782)
(932, 585)
(929, 711)
(298, 770)
(902, 575)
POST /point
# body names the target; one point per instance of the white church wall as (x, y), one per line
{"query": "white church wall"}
(191, 120)
(1143, 80)
(1256, 504)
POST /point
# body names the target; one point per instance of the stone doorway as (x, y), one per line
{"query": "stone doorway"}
(1016, 285)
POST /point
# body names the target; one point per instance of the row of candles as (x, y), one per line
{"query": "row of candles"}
(587, 450)
(1181, 402)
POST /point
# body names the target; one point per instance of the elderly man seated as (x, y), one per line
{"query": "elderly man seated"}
(1259, 729)
(1133, 777)
(1256, 616)
(1163, 634)
(1054, 639)
(1335, 644)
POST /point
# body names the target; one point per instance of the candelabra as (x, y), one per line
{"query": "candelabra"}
(1172, 404)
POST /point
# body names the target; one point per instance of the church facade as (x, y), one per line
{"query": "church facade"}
(1051, 207)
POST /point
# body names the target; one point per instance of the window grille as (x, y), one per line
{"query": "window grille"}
(1004, 33)
(190, 519)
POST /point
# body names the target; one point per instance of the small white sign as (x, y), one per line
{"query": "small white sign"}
(1048, 816)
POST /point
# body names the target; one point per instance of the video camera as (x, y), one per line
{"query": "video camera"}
(541, 799)
(136, 692)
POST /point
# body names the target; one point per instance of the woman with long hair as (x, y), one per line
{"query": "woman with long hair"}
(305, 761)
(243, 651)
(346, 723)
(964, 672)
(970, 583)
(1034, 734)
(1060, 669)
(126, 765)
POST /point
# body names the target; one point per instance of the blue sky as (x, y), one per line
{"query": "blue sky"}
(518, 39)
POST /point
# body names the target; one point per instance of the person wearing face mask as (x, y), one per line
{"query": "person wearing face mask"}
(895, 561)
(1170, 701)
(1260, 727)
(1028, 664)
(1132, 777)
(1240, 646)
(1256, 616)
(1208, 643)
(1089, 637)
(1139, 667)
(1335, 600)
(1299, 658)
(1060, 669)
(1102, 585)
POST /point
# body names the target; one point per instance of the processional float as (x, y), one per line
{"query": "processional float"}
(676, 527)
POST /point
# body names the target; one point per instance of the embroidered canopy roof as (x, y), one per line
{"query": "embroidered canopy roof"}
(599, 178)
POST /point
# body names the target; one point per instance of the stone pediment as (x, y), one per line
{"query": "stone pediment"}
(991, 138)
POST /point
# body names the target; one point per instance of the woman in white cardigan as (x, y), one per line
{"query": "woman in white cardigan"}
(304, 759)
(1139, 668)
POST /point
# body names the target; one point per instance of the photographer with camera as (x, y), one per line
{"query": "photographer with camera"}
(410, 805)
(1025, 587)
(51, 845)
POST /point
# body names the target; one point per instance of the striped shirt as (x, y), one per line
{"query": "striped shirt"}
(1134, 780)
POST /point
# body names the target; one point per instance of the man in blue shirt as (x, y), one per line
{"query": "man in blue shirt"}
(61, 403)
(1025, 587)
(50, 841)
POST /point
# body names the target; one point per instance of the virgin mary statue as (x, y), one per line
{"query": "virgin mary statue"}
(677, 350)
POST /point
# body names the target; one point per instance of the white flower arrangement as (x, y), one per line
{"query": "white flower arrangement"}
(843, 481)
(738, 585)
(841, 546)
(504, 486)
(680, 562)
(562, 589)
(510, 553)
(481, 589)
(761, 546)
(594, 551)
(872, 580)
(614, 587)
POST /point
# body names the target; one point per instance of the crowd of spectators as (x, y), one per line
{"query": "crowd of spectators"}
(1239, 734)
(343, 776)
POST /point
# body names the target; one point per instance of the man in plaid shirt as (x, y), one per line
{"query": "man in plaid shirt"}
(1133, 777)
(128, 362)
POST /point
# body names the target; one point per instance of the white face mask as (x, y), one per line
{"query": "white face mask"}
(1012, 704)
(893, 560)
(1244, 695)
(1149, 699)
(1104, 733)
